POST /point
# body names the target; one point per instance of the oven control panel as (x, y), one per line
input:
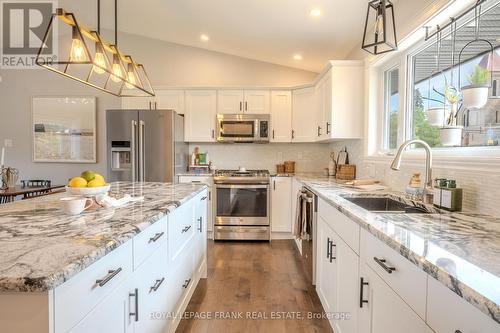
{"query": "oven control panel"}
(264, 129)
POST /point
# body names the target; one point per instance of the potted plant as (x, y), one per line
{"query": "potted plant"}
(475, 95)
(451, 133)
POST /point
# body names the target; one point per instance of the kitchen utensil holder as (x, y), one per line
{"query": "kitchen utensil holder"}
(346, 172)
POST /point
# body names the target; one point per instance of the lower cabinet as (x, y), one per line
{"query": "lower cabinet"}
(113, 295)
(382, 310)
(281, 204)
(111, 315)
(209, 181)
(336, 279)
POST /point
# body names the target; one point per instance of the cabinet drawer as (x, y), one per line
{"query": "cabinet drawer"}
(196, 179)
(153, 302)
(347, 229)
(405, 278)
(448, 312)
(77, 296)
(149, 240)
(181, 228)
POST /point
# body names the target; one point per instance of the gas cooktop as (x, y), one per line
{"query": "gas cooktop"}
(241, 176)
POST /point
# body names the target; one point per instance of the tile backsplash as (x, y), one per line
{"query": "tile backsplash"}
(309, 157)
(481, 191)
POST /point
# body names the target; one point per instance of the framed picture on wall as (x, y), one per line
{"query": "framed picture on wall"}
(64, 129)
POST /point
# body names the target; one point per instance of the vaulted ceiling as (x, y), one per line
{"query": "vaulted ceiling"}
(267, 30)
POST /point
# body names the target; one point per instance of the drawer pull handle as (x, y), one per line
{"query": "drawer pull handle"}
(204, 198)
(186, 283)
(200, 219)
(331, 252)
(362, 283)
(136, 310)
(111, 274)
(196, 181)
(156, 237)
(156, 285)
(328, 248)
(382, 262)
(186, 229)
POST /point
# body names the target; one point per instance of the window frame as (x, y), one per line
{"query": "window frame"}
(386, 100)
(460, 156)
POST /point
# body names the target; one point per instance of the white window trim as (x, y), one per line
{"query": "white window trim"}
(478, 158)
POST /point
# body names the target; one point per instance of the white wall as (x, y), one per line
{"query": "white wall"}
(168, 65)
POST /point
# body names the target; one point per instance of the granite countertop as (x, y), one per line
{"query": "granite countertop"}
(461, 250)
(41, 247)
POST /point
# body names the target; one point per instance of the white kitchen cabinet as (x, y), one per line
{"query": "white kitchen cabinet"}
(257, 102)
(138, 103)
(281, 204)
(167, 99)
(151, 282)
(342, 103)
(323, 107)
(200, 214)
(448, 312)
(304, 127)
(200, 114)
(325, 266)
(209, 181)
(231, 101)
(337, 278)
(383, 311)
(110, 315)
(281, 116)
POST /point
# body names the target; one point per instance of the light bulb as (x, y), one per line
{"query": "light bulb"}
(99, 60)
(379, 24)
(117, 70)
(77, 53)
(131, 77)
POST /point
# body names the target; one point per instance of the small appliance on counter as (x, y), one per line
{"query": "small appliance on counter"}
(447, 196)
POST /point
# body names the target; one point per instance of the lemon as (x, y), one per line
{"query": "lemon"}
(88, 175)
(100, 177)
(77, 182)
(96, 183)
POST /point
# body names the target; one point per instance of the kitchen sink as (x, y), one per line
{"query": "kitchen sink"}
(385, 205)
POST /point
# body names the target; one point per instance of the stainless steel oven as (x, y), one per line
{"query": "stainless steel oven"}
(243, 128)
(242, 207)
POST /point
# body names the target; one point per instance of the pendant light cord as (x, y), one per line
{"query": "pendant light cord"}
(116, 22)
(99, 17)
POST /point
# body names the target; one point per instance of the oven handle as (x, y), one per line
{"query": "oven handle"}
(241, 186)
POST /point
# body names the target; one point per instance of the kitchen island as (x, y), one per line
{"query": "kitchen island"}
(61, 273)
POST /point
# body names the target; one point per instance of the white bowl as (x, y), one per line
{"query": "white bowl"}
(88, 191)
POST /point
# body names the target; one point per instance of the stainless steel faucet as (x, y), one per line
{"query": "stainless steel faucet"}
(428, 187)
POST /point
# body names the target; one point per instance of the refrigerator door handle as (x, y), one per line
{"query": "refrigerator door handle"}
(133, 149)
(142, 174)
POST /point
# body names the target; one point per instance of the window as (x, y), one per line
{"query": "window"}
(434, 117)
(391, 101)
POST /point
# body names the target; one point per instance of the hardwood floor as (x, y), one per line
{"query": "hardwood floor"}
(259, 280)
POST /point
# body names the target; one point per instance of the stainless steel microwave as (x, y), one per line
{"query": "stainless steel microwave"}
(243, 128)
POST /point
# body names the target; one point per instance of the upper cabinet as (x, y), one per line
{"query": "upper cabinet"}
(164, 99)
(281, 116)
(304, 115)
(200, 115)
(243, 101)
(171, 100)
(342, 101)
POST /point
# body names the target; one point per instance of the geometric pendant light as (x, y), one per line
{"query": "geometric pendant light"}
(380, 29)
(85, 57)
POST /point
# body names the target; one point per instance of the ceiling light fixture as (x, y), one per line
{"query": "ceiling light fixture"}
(122, 77)
(380, 25)
(204, 38)
(315, 12)
(297, 57)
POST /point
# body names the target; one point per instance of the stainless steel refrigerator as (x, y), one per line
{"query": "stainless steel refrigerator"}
(145, 145)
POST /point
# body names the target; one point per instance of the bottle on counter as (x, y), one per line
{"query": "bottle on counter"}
(447, 196)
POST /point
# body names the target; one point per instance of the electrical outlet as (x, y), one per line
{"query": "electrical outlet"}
(7, 143)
